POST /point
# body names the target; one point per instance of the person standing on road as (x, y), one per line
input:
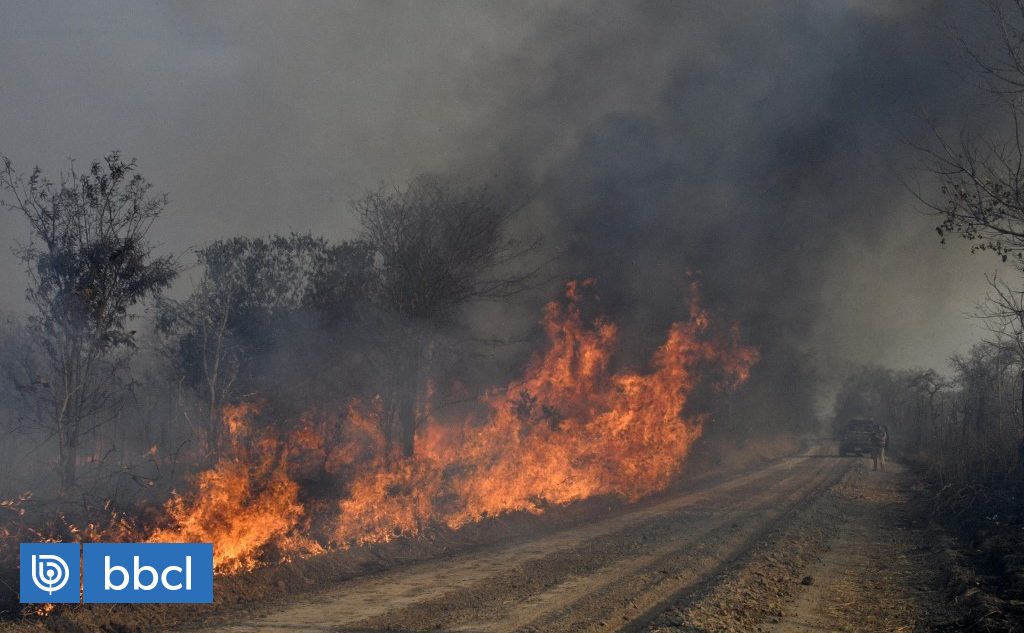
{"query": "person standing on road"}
(879, 442)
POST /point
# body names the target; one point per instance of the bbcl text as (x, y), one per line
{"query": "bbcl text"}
(147, 572)
(163, 577)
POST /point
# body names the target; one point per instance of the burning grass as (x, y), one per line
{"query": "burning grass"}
(569, 429)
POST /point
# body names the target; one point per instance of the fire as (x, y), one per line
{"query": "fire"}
(569, 429)
(244, 505)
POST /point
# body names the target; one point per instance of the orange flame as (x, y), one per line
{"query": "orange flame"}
(570, 429)
(244, 505)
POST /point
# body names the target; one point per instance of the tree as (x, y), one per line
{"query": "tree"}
(89, 264)
(929, 384)
(245, 286)
(981, 179)
(440, 247)
(253, 293)
(201, 351)
(1003, 314)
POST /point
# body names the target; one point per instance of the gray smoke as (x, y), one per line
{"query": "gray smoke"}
(758, 144)
(764, 146)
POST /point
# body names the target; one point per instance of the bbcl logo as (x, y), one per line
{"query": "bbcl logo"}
(46, 572)
(49, 572)
(117, 572)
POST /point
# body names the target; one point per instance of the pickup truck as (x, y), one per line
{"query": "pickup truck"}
(855, 438)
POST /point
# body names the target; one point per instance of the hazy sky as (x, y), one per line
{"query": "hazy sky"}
(724, 119)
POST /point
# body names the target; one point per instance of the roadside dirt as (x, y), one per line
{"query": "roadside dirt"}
(859, 559)
(984, 550)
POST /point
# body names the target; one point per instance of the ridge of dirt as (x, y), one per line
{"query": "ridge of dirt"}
(857, 559)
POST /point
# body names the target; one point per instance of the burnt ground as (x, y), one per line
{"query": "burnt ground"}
(805, 543)
(983, 549)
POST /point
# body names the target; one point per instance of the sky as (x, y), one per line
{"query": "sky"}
(763, 145)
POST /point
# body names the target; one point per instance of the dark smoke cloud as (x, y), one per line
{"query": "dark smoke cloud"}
(758, 143)
(762, 145)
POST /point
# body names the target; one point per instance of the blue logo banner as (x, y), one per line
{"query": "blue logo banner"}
(49, 572)
(147, 572)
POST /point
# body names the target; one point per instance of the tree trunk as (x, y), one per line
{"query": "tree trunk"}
(409, 367)
(407, 419)
(1022, 404)
(68, 466)
(1020, 447)
(214, 428)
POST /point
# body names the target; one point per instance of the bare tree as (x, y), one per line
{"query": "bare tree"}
(981, 179)
(89, 263)
(440, 246)
(962, 430)
(1003, 315)
(205, 315)
(931, 384)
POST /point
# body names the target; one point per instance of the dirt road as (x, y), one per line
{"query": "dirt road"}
(859, 559)
(878, 571)
(619, 572)
(730, 557)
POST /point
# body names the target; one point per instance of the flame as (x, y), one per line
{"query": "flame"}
(245, 505)
(569, 429)
(41, 610)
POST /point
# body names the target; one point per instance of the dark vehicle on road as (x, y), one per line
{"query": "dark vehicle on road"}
(855, 437)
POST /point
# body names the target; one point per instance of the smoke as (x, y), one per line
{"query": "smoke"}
(763, 146)
(759, 145)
